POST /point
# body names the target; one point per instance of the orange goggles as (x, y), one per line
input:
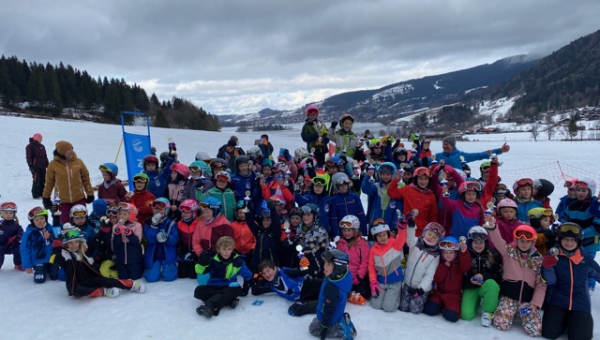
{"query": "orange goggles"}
(524, 182)
(79, 213)
(524, 235)
(422, 172)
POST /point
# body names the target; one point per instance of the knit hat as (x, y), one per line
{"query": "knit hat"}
(450, 140)
(37, 137)
(62, 146)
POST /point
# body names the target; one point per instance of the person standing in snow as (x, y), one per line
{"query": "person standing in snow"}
(451, 155)
(37, 161)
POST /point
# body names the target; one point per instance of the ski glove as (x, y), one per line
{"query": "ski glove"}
(156, 219)
(245, 288)
(334, 125)
(375, 290)
(419, 292)
(162, 236)
(204, 258)
(323, 332)
(549, 261)
(89, 199)
(47, 202)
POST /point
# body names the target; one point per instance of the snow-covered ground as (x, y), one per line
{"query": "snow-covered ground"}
(167, 310)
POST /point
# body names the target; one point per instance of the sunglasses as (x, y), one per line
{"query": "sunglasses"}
(222, 178)
(423, 172)
(524, 235)
(139, 179)
(159, 205)
(79, 214)
(8, 206)
(73, 233)
(37, 211)
(478, 236)
(194, 168)
(524, 182)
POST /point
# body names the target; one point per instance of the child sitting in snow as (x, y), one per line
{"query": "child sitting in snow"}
(36, 247)
(10, 234)
(222, 288)
(423, 259)
(82, 277)
(357, 249)
(161, 254)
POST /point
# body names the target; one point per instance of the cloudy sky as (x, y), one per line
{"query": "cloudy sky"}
(240, 56)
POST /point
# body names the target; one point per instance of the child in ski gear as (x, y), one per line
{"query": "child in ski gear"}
(278, 187)
(104, 256)
(452, 156)
(423, 259)
(344, 202)
(418, 196)
(352, 243)
(506, 219)
(221, 192)
(319, 196)
(186, 257)
(141, 197)
(448, 280)
(36, 247)
(230, 151)
(385, 269)
(175, 189)
(157, 178)
(567, 306)
(380, 151)
(380, 205)
(314, 241)
(245, 241)
(345, 140)
(111, 189)
(331, 320)
(265, 147)
(71, 177)
(481, 282)
(79, 219)
(212, 225)
(161, 254)
(222, 289)
(82, 277)
(314, 133)
(199, 180)
(467, 210)
(10, 234)
(267, 231)
(522, 289)
(288, 255)
(445, 183)
(539, 219)
(542, 189)
(568, 198)
(244, 179)
(126, 243)
(523, 190)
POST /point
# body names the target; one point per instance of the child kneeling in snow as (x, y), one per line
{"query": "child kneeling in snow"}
(82, 277)
(331, 320)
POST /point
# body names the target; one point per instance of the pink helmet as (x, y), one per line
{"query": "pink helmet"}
(181, 169)
(507, 203)
(311, 108)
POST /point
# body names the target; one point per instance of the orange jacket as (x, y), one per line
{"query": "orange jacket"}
(71, 178)
(415, 198)
(245, 241)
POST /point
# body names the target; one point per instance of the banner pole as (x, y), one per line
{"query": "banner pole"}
(119, 150)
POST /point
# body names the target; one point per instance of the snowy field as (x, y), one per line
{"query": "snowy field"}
(167, 310)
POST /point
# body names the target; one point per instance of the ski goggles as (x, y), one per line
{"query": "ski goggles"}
(185, 208)
(217, 165)
(159, 205)
(478, 236)
(204, 205)
(222, 178)
(448, 245)
(345, 224)
(473, 186)
(306, 210)
(313, 111)
(195, 168)
(8, 206)
(111, 212)
(139, 179)
(580, 184)
(73, 233)
(104, 168)
(344, 180)
(37, 211)
(79, 213)
(524, 235)
(385, 170)
(330, 164)
(265, 214)
(485, 169)
(570, 183)
(319, 181)
(377, 145)
(567, 228)
(377, 222)
(539, 212)
(524, 182)
(422, 171)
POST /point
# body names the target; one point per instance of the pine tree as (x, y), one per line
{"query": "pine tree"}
(161, 120)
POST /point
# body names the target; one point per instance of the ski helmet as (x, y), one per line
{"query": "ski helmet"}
(149, 159)
(478, 233)
(485, 166)
(8, 206)
(78, 210)
(334, 161)
(141, 178)
(241, 159)
(525, 232)
(449, 243)
(379, 226)
(469, 186)
(295, 212)
(346, 116)
(422, 171)
(311, 108)
(221, 175)
(507, 203)
(340, 262)
(164, 157)
(202, 166)
(37, 211)
(310, 208)
(202, 156)
(587, 183)
(570, 229)
(189, 205)
(254, 151)
(99, 207)
(111, 168)
(522, 183)
(338, 179)
(435, 227)
(218, 163)
(544, 187)
(181, 169)
(300, 154)
(71, 234)
(387, 166)
(400, 151)
(539, 212)
(213, 204)
(407, 167)
(350, 222)
(131, 210)
(267, 162)
(164, 202)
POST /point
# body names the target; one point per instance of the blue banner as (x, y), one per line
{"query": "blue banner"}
(136, 148)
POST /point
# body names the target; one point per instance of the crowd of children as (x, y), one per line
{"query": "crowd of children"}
(296, 226)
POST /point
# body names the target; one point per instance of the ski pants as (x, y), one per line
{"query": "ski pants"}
(39, 181)
(216, 297)
(131, 271)
(41, 271)
(487, 295)
(161, 268)
(88, 286)
(65, 209)
(447, 304)
(186, 270)
(505, 314)
(12, 248)
(388, 298)
(578, 324)
(411, 303)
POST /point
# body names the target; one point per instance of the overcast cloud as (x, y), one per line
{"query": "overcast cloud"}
(242, 56)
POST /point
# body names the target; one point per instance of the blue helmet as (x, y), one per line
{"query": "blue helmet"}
(449, 243)
(334, 161)
(110, 168)
(387, 164)
(212, 203)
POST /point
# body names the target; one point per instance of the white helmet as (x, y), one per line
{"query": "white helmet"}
(76, 208)
(201, 155)
(254, 151)
(350, 222)
(379, 227)
(300, 154)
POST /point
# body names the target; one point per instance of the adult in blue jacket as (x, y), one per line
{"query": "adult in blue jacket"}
(568, 305)
(161, 252)
(451, 155)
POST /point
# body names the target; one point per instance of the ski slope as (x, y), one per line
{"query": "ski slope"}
(167, 310)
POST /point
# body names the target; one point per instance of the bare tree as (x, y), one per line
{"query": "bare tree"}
(535, 131)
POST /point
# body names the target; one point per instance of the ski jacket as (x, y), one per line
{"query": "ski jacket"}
(564, 202)
(344, 141)
(490, 185)
(10, 233)
(127, 248)
(113, 192)
(322, 201)
(453, 158)
(245, 241)
(226, 197)
(415, 198)
(464, 215)
(521, 280)
(156, 251)
(342, 204)
(274, 188)
(449, 280)
(229, 152)
(379, 204)
(193, 185)
(206, 236)
(568, 280)
(186, 231)
(385, 260)
(359, 258)
(243, 183)
(488, 263)
(580, 212)
(310, 135)
(77, 270)
(267, 239)
(35, 153)
(158, 179)
(71, 178)
(332, 299)
(224, 272)
(290, 282)
(421, 263)
(524, 206)
(175, 191)
(507, 228)
(143, 202)
(35, 249)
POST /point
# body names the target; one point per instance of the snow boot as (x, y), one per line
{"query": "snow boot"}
(347, 329)
(486, 319)
(234, 303)
(205, 311)
(112, 292)
(357, 299)
(134, 286)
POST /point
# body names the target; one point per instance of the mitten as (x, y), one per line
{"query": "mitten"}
(204, 258)
(549, 261)
(162, 236)
(334, 125)
(304, 262)
(89, 199)
(419, 292)
(375, 290)
(245, 288)
(47, 202)
(156, 219)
